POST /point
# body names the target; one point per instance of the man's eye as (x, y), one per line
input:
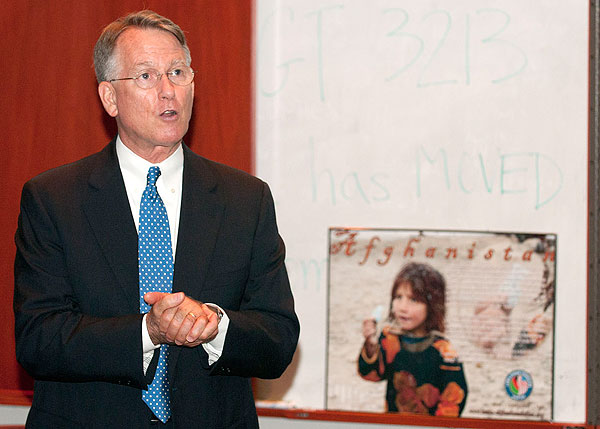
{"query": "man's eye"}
(176, 72)
(144, 76)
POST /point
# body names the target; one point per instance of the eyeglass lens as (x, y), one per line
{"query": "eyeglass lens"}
(179, 76)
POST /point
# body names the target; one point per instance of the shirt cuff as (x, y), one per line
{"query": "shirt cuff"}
(214, 348)
(148, 346)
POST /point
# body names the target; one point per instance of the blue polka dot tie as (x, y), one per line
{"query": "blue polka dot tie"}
(155, 260)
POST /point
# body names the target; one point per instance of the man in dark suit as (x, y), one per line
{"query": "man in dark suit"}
(222, 310)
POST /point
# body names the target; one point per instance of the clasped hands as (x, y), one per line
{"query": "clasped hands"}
(178, 319)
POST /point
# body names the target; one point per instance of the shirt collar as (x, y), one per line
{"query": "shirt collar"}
(136, 166)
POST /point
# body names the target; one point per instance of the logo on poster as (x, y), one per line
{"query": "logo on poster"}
(519, 385)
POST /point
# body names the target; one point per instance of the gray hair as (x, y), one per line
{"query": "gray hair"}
(105, 62)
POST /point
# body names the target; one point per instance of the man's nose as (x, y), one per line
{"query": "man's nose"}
(166, 87)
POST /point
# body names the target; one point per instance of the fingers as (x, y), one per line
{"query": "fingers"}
(165, 320)
(152, 298)
(204, 329)
(164, 307)
(181, 320)
(160, 303)
(164, 300)
(369, 325)
(369, 328)
(189, 324)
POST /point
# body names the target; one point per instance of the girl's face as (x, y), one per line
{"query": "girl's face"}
(410, 313)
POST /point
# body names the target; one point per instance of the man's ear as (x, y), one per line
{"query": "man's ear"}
(108, 97)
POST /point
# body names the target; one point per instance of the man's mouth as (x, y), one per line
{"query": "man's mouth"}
(168, 113)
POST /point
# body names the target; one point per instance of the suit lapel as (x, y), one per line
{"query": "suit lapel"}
(200, 218)
(108, 212)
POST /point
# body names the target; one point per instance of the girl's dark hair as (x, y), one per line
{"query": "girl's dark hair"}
(429, 287)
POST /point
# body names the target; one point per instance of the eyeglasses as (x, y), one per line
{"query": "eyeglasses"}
(147, 79)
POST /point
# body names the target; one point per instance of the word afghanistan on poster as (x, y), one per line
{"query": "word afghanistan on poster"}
(446, 323)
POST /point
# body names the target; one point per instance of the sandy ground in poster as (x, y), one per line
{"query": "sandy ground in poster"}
(518, 279)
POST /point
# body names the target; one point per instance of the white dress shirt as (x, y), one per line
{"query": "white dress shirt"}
(134, 170)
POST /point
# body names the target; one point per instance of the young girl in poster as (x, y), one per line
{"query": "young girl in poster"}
(420, 366)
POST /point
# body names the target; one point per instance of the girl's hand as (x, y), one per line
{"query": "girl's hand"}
(369, 330)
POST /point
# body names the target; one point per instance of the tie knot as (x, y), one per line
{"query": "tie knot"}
(153, 175)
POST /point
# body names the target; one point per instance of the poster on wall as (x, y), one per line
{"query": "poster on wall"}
(446, 323)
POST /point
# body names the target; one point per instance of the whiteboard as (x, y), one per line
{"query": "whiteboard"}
(460, 115)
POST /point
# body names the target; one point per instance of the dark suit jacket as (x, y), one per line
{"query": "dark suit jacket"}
(76, 298)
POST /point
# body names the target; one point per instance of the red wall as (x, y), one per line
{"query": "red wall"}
(51, 114)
